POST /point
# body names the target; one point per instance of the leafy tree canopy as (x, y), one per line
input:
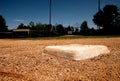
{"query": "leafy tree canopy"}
(60, 29)
(84, 26)
(108, 17)
(3, 26)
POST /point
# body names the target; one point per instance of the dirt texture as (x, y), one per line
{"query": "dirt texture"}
(24, 60)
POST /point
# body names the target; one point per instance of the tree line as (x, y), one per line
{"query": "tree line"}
(106, 19)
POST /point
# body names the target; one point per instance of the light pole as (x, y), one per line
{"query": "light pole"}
(98, 27)
(98, 5)
(50, 12)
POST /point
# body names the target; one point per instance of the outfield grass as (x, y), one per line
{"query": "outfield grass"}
(65, 37)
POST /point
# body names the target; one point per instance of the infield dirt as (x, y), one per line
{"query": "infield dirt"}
(24, 60)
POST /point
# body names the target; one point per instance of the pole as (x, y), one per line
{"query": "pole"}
(50, 12)
(98, 11)
(98, 5)
(50, 17)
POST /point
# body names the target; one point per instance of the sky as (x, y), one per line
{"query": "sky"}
(65, 12)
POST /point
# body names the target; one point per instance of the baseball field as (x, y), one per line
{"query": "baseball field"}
(24, 60)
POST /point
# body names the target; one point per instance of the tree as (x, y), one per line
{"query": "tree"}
(32, 25)
(107, 18)
(84, 28)
(22, 26)
(3, 26)
(99, 18)
(69, 28)
(76, 32)
(117, 23)
(60, 29)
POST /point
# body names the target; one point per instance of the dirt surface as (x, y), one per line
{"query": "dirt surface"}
(24, 60)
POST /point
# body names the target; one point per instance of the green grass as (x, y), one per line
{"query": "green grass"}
(64, 37)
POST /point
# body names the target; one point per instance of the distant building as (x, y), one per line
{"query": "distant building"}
(21, 32)
(70, 32)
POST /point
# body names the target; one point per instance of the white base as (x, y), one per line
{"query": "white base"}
(77, 51)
